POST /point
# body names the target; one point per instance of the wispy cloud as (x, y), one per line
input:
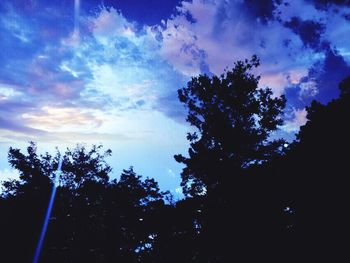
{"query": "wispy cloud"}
(53, 80)
(64, 86)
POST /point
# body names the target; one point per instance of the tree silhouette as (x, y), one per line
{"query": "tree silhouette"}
(345, 87)
(234, 119)
(24, 201)
(316, 179)
(81, 166)
(93, 219)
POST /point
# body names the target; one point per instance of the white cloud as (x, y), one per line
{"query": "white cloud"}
(220, 32)
(183, 40)
(109, 23)
(54, 119)
(8, 92)
(308, 89)
(299, 119)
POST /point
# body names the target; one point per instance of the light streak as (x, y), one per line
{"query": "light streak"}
(76, 16)
(48, 213)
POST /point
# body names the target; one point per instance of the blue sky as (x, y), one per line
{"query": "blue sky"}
(90, 71)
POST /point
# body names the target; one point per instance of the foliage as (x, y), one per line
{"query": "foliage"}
(234, 119)
(93, 219)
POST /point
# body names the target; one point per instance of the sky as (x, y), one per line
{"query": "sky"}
(107, 72)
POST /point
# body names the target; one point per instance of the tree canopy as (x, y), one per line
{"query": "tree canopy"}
(233, 118)
(93, 219)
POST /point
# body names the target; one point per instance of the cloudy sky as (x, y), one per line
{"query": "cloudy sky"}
(92, 71)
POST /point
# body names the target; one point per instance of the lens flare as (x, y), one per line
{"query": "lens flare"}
(48, 213)
(76, 16)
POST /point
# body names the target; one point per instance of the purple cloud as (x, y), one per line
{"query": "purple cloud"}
(112, 65)
(309, 31)
(15, 126)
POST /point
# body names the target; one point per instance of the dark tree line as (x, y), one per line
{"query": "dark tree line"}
(248, 198)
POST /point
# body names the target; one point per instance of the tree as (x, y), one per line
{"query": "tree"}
(234, 119)
(344, 87)
(81, 166)
(25, 201)
(313, 180)
(316, 172)
(93, 219)
(35, 171)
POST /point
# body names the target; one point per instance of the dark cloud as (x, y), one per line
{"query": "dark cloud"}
(259, 10)
(322, 81)
(329, 74)
(149, 12)
(325, 4)
(264, 10)
(309, 31)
